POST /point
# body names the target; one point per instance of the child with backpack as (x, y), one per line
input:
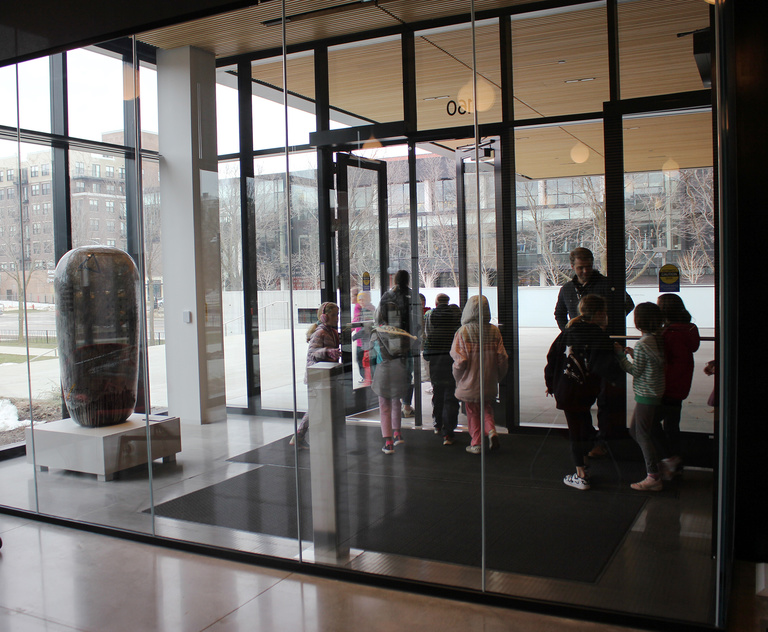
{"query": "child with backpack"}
(391, 346)
(647, 368)
(579, 358)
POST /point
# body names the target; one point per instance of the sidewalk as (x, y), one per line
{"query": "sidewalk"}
(34, 352)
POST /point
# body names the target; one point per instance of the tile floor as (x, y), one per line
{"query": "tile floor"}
(58, 579)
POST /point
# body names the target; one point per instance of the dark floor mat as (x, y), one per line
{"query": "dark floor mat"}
(424, 502)
(524, 459)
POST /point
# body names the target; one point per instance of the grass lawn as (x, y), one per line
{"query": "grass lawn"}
(14, 357)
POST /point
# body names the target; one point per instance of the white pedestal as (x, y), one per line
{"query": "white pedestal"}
(103, 451)
(761, 582)
(328, 462)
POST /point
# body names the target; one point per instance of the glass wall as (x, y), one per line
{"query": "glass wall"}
(567, 75)
(659, 43)
(309, 426)
(153, 272)
(445, 86)
(269, 123)
(93, 113)
(365, 78)
(98, 199)
(554, 216)
(287, 257)
(669, 219)
(231, 244)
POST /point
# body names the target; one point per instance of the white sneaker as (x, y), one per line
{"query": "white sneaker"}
(648, 484)
(474, 449)
(493, 441)
(574, 480)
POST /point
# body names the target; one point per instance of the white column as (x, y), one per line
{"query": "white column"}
(194, 339)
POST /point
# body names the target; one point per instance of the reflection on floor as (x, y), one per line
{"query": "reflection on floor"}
(65, 580)
(663, 567)
(535, 409)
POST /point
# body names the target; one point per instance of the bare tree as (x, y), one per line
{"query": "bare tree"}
(663, 218)
(692, 265)
(16, 261)
(661, 214)
(547, 233)
(230, 229)
(152, 253)
(590, 191)
(363, 218)
(398, 204)
(305, 257)
(270, 229)
(438, 234)
(306, 264)
(695, 198)
(439, 248)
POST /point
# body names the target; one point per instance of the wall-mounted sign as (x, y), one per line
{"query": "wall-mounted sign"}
(366, 282)
(669, 278)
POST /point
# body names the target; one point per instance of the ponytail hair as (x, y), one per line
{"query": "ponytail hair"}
(402, 279)
(589, 307)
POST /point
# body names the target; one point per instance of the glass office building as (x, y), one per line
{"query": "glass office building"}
(260, 162)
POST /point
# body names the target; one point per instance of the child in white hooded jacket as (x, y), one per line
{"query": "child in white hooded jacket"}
(465, 351)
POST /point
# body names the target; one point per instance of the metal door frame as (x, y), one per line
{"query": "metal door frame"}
(357, 399)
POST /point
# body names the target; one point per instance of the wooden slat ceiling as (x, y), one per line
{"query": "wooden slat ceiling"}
(375, 71)
(243, 31)
(560, 67)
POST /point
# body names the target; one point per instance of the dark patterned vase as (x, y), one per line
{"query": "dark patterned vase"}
(97, 321)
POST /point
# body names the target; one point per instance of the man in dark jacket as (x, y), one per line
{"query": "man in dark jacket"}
(440, 325)
(586, 280)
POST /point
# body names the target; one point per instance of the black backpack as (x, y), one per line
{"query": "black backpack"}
(575, 365)
(567, 368)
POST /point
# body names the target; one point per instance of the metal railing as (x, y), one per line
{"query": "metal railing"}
(48, 336)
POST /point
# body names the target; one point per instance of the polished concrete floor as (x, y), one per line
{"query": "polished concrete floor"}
(58, 579)
(663, 568)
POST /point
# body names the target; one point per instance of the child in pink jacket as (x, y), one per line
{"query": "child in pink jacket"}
(465, 351)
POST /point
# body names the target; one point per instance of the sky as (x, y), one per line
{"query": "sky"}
(96, 103)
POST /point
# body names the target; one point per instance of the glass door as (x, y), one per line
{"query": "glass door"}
(361, 194)
(485, 258)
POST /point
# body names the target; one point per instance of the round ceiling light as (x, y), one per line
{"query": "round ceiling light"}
(486, 95)
(579, 153)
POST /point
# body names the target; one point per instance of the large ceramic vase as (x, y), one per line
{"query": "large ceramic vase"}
(97, 321)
